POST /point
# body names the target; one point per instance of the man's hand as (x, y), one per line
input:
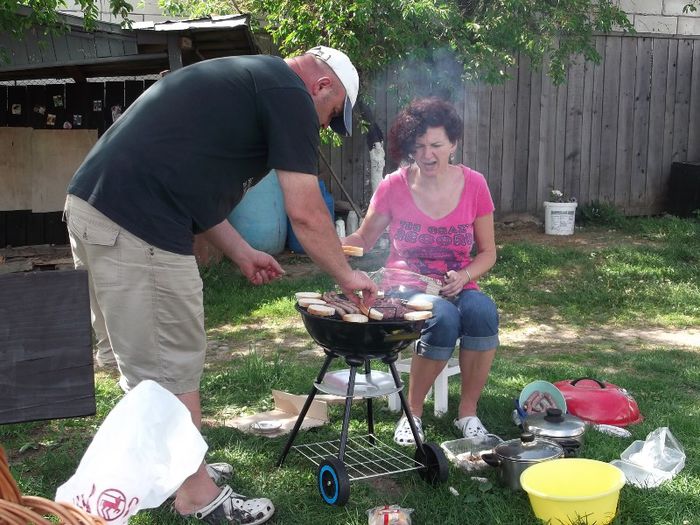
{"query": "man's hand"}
(358, 281)
(259, 267)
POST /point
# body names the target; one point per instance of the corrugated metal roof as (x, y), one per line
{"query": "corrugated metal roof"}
(110, 50)
(213, 22)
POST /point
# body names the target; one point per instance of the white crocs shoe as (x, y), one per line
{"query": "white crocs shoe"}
(229, 507)
(403, 435)
(219, 472)
(470, 427)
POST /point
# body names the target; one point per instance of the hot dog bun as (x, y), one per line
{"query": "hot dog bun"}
(375, 314)
(419, 304)
(305, 302)
(354, 251)
(321, 310)
(307, 295)
(418, 315)
(355, 318)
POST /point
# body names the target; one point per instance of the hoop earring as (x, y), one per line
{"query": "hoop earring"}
(452, 158)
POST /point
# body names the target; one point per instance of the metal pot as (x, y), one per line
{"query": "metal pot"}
(514, 456)
(566, 429)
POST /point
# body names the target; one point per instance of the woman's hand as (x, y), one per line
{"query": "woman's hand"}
(454, 283)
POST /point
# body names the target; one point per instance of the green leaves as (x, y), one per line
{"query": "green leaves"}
(44, 13)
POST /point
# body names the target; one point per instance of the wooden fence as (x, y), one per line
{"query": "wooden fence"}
(610, 133)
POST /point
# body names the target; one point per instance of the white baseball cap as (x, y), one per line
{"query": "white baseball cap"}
(346, 72)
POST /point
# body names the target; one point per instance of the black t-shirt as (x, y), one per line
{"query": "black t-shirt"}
(181, 157)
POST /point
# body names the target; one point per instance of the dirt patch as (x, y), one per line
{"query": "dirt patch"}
(528, 229)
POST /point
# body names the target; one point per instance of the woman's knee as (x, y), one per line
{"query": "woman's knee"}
(478, 314)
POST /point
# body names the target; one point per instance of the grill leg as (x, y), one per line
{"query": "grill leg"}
(370, 411)
(305, 409)
(346, 416)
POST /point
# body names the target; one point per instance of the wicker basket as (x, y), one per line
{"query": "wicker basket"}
(16, 509)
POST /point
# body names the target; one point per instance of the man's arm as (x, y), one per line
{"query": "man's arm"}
(257, 266)
(309, 217)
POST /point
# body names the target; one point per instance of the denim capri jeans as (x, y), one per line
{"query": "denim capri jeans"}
(471, 317)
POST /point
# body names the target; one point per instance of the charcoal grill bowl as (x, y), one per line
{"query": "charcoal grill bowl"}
(373, 340)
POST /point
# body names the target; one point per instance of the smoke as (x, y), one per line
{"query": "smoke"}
(435, 72)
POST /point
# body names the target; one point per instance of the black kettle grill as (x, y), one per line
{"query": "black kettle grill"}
(340, 462)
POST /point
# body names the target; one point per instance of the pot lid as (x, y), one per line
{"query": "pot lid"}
(555, 424)
(528, 448)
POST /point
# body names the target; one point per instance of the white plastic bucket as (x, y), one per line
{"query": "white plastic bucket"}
(559, 218)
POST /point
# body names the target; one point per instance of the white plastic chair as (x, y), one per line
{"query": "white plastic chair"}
(439, 386)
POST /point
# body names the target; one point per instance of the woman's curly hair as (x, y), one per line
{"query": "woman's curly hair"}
(415, 119)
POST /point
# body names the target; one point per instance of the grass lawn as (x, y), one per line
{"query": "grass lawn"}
(619, 305)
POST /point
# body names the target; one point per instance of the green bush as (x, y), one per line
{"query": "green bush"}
(599, 214)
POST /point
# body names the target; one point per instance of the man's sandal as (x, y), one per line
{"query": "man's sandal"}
(229, 507)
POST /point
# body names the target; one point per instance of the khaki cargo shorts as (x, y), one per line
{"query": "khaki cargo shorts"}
(145, 301)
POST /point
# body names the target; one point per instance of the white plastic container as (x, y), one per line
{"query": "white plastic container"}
(559, 218)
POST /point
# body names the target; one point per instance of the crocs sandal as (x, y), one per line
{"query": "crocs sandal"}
(470, 427)
(219, 472)
(403, 435)
(229, 507)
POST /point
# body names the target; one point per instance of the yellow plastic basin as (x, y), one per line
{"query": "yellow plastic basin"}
(573, 491)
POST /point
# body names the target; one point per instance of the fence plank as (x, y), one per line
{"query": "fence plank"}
(640, 140)
(625, 121)
(669, 118)
(574, 111)
(532, 145)
(611, 103)
(597, 121)
(560, 138)
(657, 111)
(510, 103)
(681, 108)
(495, 168)
(522, 136)
(586, 121)
(694, 111)
(470, 124)
(483, 127)
(545, 175)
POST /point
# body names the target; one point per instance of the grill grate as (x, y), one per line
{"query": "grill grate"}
(363, 459)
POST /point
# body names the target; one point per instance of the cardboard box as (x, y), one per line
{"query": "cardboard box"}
(287, 409)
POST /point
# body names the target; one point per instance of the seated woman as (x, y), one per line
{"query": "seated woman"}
(436, 211)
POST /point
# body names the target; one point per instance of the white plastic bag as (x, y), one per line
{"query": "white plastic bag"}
(648, 463)
(143, 451)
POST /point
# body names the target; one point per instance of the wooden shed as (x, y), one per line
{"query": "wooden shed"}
(59, 92)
